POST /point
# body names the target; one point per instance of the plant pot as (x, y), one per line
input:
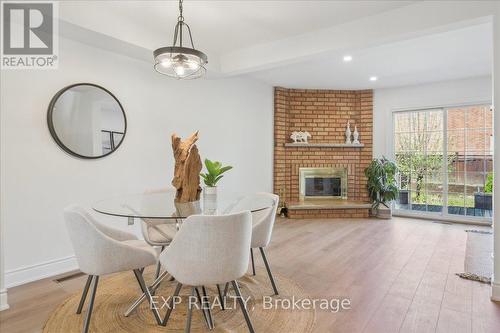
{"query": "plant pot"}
(384, 212)
(483, 201)
(209, 200)
(403, 197)
(188, 208)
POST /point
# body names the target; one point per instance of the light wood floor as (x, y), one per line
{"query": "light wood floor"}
(398, 274)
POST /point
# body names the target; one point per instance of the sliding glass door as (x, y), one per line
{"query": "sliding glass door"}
(470, 147)
(419, 156)
(445, 160)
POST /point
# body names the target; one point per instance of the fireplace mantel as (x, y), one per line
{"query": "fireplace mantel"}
(325, 145)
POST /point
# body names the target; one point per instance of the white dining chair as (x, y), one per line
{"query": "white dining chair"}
(158, 232)
(102, 250)
(262, 226)
(209, 250)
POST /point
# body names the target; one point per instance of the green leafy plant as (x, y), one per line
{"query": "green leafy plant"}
(488, 187)
(381, 185)
(214, 172)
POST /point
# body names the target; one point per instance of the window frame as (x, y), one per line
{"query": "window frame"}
(443, 215)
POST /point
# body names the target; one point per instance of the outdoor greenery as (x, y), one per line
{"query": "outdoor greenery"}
(429, 165)
(488, 187)
(454, 199)
(381, 184)
(214, 172)
(419, 152)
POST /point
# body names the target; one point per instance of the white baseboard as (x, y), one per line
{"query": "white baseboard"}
(39, 271)
(495, 291)
(4, 305)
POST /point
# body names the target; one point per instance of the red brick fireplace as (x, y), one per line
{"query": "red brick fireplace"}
(324, 114)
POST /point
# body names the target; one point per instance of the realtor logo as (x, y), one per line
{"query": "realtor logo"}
(29, 32)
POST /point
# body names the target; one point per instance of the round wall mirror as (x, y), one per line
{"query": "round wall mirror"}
(86, 120)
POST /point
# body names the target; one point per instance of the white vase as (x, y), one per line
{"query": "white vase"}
(209, 200)
(348, 133)
(355, 136)
(188, 208)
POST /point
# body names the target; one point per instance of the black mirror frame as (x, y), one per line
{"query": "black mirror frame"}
(53, 131)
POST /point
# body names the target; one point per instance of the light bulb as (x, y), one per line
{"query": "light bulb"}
(193, 65)
(179, 69)
(347, 58)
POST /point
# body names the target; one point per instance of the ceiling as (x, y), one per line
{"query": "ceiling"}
(461, 53)
(218, 26)
(301, 43)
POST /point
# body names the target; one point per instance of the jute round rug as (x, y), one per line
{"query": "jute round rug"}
(115, 294)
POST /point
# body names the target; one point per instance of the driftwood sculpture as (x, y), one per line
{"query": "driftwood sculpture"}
(187, 168)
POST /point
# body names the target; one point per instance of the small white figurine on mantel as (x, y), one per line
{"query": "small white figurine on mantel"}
(348, 133)
(355, 136)
(300, 137)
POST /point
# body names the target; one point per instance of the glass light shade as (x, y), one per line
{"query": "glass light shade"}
(180, 62)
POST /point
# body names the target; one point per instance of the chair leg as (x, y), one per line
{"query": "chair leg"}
(84, 294)
(209, 311)
(242, 306)
(171, 304)
(226, 289)
(253, 263)
(158, 266)
(189, 313)
(153, 288)
(221, 298)
(86, 324)
(146, 291)
(202, 304)
(268, 270)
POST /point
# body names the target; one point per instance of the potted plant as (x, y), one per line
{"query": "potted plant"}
(483, 200)
(211, 178)
(381, 185)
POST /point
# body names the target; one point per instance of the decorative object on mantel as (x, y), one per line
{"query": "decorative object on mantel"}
(381, 186)
(300, 137)
(355, 136)
(187, 168)
(348, 133)
(180, 62)
(211, 178)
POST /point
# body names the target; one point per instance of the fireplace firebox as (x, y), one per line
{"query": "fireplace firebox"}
(323, 183)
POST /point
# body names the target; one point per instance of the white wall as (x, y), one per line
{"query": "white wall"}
(38, 179)
(447, 93)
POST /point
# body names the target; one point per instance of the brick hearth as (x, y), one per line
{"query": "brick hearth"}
(324, 114)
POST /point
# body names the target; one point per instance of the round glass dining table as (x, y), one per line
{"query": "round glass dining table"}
(162, 205)
(162, 208)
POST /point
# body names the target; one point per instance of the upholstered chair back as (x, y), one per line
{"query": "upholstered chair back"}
(97, 253)
(152, 236)
(116, 234)
(263, 220)
(210, 249)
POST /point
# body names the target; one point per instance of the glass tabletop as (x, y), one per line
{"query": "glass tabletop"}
(162, 205)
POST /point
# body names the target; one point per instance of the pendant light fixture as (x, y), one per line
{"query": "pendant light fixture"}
(179, 61)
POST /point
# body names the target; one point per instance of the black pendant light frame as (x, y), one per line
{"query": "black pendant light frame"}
(178, 35)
